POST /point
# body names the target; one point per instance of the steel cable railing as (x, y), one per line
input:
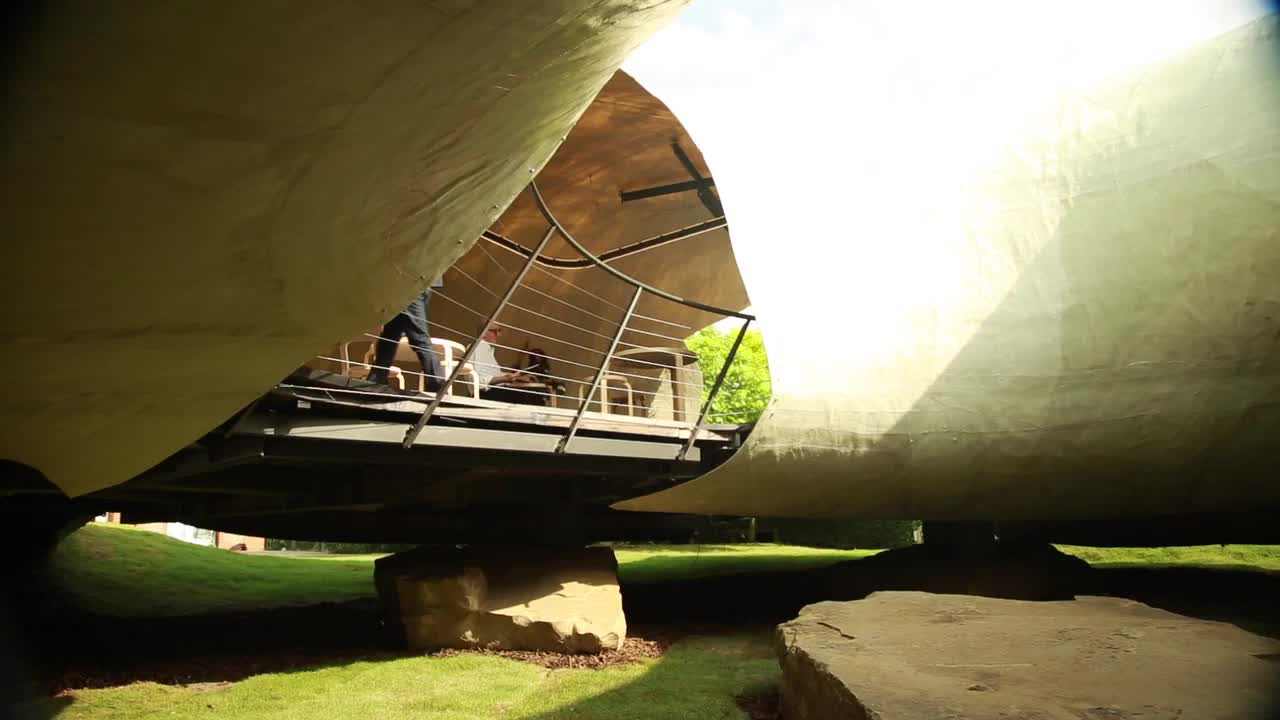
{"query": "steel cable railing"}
(571, 305)
(531, 312)
(605, 375)
(643, 287)
(635, 361)
(606, 301)
(634, 248)
(564, 380)
(499, 369)
(552, 338)
(330, 392)
(549, 296)
(600, 372)
(501, 346)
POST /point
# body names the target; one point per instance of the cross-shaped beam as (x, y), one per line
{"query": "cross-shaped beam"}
(702, 184)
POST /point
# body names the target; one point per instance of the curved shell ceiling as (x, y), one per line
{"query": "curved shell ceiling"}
(626, 141)
(200, 196)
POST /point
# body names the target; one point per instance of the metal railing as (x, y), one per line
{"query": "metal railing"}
(602, 371)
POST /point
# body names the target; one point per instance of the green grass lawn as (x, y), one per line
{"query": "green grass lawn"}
(133, 572)
(117, 570)
(695, 679)
(137, 573)
(659, 563)
(1253, 557)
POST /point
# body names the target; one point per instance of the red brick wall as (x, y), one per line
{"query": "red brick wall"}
(253, 544)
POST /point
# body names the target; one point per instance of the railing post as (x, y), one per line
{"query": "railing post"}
(711, 396)
(413, 432)
(600, 373)
(584, 252)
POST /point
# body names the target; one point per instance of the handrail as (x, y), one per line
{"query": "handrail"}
(715, 388)
(634, 248)
(412, 434)
(551, 218)
(535, 257)
(599, 375)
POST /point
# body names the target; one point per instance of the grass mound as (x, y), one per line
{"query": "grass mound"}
(128, 572)
(1252, 557)
(124, 571)
(116, 570)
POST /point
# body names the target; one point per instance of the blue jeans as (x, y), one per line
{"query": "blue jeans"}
(411, 322)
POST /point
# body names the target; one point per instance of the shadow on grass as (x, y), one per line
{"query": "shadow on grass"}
(697, 678)
(67, 648)
(1248, 598)
(698, 672)
(38, 708)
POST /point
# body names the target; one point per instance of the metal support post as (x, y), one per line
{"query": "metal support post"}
(711, 396)
(600, 373)
(413, 432)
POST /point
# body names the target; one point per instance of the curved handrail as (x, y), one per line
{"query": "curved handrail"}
(551, 218)
(634, 248)
(535, 256)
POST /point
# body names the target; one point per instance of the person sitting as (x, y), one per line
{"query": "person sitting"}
(538, 366)
(496, 382)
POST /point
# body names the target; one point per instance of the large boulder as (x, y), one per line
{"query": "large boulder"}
(1018, 571)
(918, 656)
(559, 600)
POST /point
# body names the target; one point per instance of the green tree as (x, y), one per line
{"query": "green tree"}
(746, 388)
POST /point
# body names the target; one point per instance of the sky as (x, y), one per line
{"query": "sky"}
(856, 129)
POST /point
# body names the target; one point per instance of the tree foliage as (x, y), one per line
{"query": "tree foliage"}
(337, 548)
(746, 388)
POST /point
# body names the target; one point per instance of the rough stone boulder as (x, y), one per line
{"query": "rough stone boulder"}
(504, 598)
(917, 656)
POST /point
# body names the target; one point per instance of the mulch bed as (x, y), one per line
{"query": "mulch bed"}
(633, 649)
(71, 650)
(223, 668)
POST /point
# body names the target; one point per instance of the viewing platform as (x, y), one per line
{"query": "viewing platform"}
(573, 390)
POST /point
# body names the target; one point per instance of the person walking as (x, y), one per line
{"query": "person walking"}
(412, 323)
